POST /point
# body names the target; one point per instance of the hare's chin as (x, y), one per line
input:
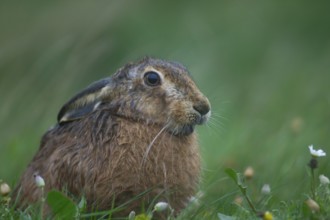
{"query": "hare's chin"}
(183, 130)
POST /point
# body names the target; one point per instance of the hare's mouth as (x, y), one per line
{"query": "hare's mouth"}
(183, 130)
(187, 129)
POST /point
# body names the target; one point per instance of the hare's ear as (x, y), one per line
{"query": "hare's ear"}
(85, 101)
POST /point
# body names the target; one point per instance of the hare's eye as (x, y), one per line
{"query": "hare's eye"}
(152, 78)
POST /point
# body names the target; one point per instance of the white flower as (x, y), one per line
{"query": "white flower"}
(4, 189)
(131, 215)
(312, 205)
(40, 182)
(161, 206)
(265, 189)
(324, 180)
(193, 200)
(316, 153)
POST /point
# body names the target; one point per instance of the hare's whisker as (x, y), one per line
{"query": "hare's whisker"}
(150, 145)
(218, 115)
(214, 127)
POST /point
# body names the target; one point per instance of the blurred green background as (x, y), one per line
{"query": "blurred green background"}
(265, 66)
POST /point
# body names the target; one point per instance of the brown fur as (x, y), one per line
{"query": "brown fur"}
(135, 141)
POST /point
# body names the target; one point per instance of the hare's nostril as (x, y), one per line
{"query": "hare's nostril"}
(203, 109)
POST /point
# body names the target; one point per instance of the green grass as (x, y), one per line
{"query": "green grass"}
(264, 66)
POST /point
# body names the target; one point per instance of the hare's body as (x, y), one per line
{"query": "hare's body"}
(115, 149)
(114, 162)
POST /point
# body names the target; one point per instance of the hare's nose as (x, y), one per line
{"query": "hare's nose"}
(202, 108)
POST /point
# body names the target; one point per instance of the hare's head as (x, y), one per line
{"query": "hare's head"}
(150, 91)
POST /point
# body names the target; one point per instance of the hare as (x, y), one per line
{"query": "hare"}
(122, 136)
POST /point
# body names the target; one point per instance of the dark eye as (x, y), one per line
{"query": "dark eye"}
(152, 78)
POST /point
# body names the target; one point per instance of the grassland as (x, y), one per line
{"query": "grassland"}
(265, 66)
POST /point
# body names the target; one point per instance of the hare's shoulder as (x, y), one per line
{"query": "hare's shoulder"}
(94, 129)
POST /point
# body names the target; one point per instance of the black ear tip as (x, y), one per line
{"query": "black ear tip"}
(85, 101)
(67, 115)
(60, 114)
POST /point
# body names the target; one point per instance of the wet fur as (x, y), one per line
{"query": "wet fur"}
(109, 163)
(135, 140)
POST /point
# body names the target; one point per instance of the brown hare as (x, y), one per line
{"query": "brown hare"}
(122, 136)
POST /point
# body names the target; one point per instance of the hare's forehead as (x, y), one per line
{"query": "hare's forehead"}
(178, 84)
(181, 86)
